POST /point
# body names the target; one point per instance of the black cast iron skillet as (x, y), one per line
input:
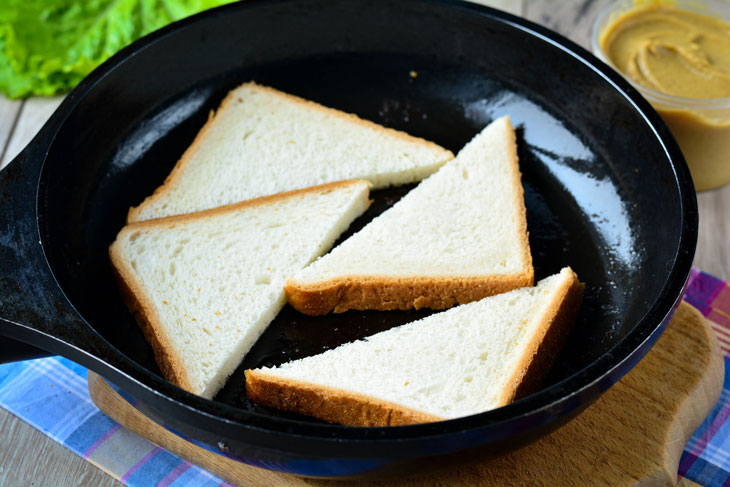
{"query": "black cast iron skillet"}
(607, 192)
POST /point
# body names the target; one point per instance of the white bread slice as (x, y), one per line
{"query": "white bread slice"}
(459, 236)
(204, 286)
(262, 141)
(463, 361)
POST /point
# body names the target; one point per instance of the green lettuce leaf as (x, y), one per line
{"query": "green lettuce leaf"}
(47, 46)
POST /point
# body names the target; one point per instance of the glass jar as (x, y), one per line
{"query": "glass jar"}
(700, 126)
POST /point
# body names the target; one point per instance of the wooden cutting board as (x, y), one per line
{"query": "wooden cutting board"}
(633, 435)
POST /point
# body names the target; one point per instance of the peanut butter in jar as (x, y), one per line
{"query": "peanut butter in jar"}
(678, 57)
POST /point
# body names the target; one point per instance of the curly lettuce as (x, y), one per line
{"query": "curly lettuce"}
(48, 46)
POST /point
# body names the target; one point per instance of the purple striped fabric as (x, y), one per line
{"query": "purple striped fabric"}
(139, 464)
(101, 440)
(174, 474)
(706, 458)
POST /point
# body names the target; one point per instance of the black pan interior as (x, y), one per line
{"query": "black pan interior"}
(593, 171)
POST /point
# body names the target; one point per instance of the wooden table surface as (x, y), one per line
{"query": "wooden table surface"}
(27, 457)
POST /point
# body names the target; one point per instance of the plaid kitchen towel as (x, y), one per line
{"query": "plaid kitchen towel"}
(706, 457)
(51, 394)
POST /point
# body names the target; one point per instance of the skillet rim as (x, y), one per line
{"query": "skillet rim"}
(591, 380)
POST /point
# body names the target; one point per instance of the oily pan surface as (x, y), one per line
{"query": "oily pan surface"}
(578, 152)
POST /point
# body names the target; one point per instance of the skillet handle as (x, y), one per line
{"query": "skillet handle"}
(13, 350)
(35, 316)
(14, 190)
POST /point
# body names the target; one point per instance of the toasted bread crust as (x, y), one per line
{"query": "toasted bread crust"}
(385, 292)
(148, 320)
(519, 202)
(142, 308)
(180, 167)
(135, 212)
(354, 409)
(328, 403)
(262, 200)
(389, 293)
(541, 352)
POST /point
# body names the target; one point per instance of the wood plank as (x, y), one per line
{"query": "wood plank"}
(515, 7)
(713, 240)
(28, 457)
(34, 113)
(9, 110)
(573, 19)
